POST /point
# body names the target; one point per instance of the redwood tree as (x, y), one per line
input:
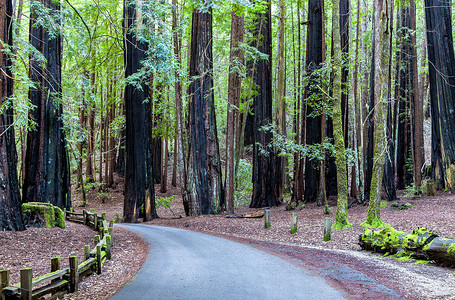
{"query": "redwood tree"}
(10, 202)
(204, 168)
(138, 125)
(47, 172)
(315, 56)
(442, 89)
(264, 166)
(235, 80)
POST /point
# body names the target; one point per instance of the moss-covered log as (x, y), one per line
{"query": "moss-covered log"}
(442, 251)
(421, 244)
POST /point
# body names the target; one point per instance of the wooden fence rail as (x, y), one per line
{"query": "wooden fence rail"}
(63, 281)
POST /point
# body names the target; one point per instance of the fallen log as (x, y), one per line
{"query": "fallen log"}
(442, 251)
(421, 244)
(258, 214)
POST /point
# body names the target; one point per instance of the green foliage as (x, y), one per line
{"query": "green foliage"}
(165, 202)
(243, 184)
(413, 192)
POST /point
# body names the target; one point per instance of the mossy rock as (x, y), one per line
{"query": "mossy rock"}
(401, 206)
(50, 215)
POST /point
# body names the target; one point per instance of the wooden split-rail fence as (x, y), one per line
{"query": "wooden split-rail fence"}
(63, 281)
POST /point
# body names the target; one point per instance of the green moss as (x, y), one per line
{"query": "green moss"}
(59, 217)
(451, 249)
(375, 223)
(52, 215)
(45, 210)
(341, 225)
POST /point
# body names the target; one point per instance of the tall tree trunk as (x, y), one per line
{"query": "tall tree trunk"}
(418, 142)
(91, 133)
(136, 116)
(438, 15)
(157, 140)
(344, 31)
(112, 148)
(315, 56)
(179, 114)
(338, 134)
(174, 162)
(383, 10)
(120, 163)
(204, 172)
(281, 99)
(301, 108)
(389, 167)
(357, 188)
(10, 198)
(264, 168)
(235, 81)
(47, 177)
(405, 95)
(82, 125)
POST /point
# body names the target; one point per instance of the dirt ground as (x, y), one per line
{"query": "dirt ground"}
(305, 248)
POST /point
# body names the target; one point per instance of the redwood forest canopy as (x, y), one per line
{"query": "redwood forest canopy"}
(256, 103)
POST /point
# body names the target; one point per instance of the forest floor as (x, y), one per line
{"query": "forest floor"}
(305, 248)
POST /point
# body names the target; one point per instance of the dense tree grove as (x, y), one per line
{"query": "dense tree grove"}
(249, 103)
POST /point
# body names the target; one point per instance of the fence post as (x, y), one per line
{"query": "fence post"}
(84, 214)
(55, 266)
(86, 252)
(26, 284)
(74, 274)
(98, 259)
(97, 239)
(4, 279)
(108, 246)
(267, 219)
(327, 229)
(293, 223)
(111, 230)
(96, 221)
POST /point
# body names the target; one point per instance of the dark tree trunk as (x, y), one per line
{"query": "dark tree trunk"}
(182, 163)
(404, 173)
(91, 133)
(136, 116)
(389, 166)
(417, 111)
(10, 201)
(344, 30)
(249, 130)
(157, 141)
(47, 173)
(315, 56)
(120, 163)
(369, 151)
(331, 169)
(235, 83)
(442, 88)
(80, 145)
(264, 177)
(204, 169)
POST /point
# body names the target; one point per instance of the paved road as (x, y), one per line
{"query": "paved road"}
(184, 264)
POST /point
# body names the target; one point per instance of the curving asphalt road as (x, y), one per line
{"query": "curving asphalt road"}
(183, 264)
